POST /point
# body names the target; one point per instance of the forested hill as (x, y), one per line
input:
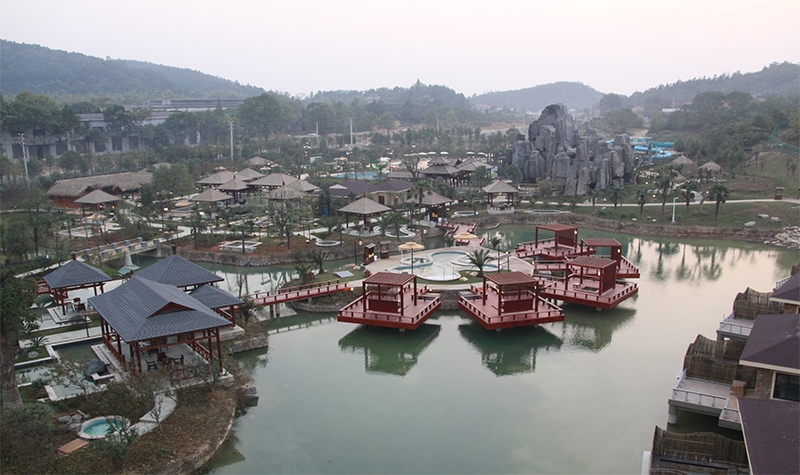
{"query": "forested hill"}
(71, 77)
(782, 79)
(574, 95)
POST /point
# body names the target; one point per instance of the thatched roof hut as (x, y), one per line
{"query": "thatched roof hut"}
(65, 192)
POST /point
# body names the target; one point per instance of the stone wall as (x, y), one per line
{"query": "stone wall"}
(763, 389)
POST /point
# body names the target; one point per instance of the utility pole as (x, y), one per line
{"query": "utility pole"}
(351, 131)
(24, 159)
(230, 124)
(437, 124)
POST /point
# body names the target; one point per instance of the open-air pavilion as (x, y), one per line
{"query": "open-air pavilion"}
(590, 281)
(365, 208)
(273, 181)
(564, 244)
(235, 187)
(216, 179)
(248, 174)
(73, 275)
(499, 188)
(147, 325)
(211, 196)
(435, 205)
(96, 198)
(508, 299)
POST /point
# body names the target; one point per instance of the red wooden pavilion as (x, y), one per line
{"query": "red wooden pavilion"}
(590, 281)
(562, 246)
(625, 268)
(391, 300)
(509, 299)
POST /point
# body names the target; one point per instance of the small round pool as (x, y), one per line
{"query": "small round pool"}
(100, 427)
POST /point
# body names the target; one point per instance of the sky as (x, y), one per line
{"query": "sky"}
(305, 46)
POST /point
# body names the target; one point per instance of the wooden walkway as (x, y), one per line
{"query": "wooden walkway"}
(297, 293)
(547, 249)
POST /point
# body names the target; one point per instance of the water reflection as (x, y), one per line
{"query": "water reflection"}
(511, 351)
(298, 321)
(592, 330)
(387, 350)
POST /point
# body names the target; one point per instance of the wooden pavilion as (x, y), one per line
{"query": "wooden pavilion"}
(218, 300)
(213, 181)
(391, 300)
(508, 299)
(590, 281)
(625, 268)
(96, 198)
(73, 275)
(235, 187)
(147, 325)
(273, 181)
(434, 204)
(364, 207)
(211, 196)
(248, 174)
(562, 246)
(499, 188)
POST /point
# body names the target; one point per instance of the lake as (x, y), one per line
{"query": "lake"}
(579, 396)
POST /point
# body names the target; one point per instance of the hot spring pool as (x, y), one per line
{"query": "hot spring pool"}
(442, 266)
(99, 427)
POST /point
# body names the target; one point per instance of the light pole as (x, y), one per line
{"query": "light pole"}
(673, 208)
(355, 252)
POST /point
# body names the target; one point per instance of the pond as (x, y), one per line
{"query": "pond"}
(579, 396)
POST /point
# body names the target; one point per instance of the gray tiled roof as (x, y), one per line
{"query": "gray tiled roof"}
(75, 273)
(772, 434)
(774, 340)
(177, 271)
(141, 309)
(213, 297)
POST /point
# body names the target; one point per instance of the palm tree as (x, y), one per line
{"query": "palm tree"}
(593, 194)
(479, 258)
(319, 258)
(384, 221)
(719, 193)
(494, 243)
(641, 198)
(197, 225)
(305, 272)
(395, 217)
(688, 188)
(615, 193)
(410, 206)
(573, 202)
(664, 181)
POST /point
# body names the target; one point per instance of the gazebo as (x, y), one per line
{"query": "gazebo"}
(154, 320)
(499, 187)
(218, 300)
(302, 185)
(248, 175)
(273, 180)
(177, 271)
(236, 187)
(363, 207)
(211, 196)
(73, 275)
(435, 204)
(96, 198)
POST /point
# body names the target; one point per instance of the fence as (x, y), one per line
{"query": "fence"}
(702, 447)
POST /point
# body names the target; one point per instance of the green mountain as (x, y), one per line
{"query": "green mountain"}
(71, 77)
(782, 79)
(574, 95)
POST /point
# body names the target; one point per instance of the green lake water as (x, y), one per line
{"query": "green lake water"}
(579, 396)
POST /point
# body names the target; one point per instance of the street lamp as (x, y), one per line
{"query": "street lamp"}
(355, 252)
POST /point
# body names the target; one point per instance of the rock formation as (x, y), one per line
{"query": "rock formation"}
(573, 164)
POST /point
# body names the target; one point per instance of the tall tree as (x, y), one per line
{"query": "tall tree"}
(719, 193)
(688, 188)
(16, 297)
(262, 115)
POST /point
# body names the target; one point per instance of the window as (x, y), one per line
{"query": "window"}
(787, 386)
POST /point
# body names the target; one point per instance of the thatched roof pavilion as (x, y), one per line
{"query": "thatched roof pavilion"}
(64, 192)
(499, 187)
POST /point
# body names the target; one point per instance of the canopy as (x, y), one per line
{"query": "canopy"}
(411, 246)
(212, 196)
(97, 197)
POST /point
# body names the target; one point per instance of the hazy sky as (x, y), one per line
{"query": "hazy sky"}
(300, 46)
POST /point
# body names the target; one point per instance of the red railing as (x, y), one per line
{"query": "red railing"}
(389, 317)
(300, 291)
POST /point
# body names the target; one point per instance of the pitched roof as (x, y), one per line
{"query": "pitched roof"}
(440, 170)
(75, 273)
(175, 270)
(141, 309)
(771, 430)
(97, 197)
(789, 292)
(400, 174)
(248, 174)
(601, 242)
(774, 341)
(303, 186)
(391, 185)
(211, 196)
(364, 206)
(557, 227)
(511, 278)
(274, 180)
(217, 178)
(234, 185)
(499, 186)
(389, 278)
(213, 297)
(431, 198)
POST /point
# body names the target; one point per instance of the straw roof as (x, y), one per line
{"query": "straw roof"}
(117, 182)
(211, 196)
(97, 197)
(682, 161)
(217, 178)
(712, 167)
(431, 198)
(365, 207)
(274, 180)
(258, 161)
(499, 186)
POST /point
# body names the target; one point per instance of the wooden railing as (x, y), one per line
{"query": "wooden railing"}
(301, 291)
(349, 311)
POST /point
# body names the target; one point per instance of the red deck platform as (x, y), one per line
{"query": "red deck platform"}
(509, 299)
(391, 300)
(590, 281)
(564, 245)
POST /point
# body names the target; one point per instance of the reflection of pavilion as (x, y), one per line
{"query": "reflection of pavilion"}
(584, 329)
(387, 351)
(509, 352)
